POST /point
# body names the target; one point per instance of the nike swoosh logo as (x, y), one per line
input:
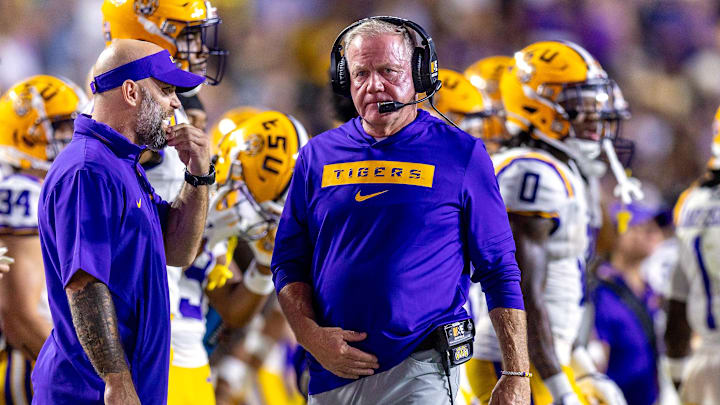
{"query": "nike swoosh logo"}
(139, 203)
(361, 198)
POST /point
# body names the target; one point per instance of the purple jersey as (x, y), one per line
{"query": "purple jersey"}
(98, 213)
(385, 233)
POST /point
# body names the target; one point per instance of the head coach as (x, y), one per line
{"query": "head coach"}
(106, 235)
(388, 219)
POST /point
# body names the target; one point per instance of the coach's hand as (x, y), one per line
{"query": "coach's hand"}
(119, 389)
(330, 347)
(193, 147)
(511, 390)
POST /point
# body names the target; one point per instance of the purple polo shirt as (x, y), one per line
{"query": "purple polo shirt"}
(97, 212)
(386, 232)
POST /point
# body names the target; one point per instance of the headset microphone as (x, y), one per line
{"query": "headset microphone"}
(385, 107)
(391, 106)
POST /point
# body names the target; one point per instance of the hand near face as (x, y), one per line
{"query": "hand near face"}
(192, 146)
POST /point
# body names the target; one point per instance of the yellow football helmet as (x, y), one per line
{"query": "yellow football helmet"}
(556, 92)
(30, 112)
(227, 124)
(460, 102)
(188, 29)
(485, 75)
(256, 155)
(714, 163)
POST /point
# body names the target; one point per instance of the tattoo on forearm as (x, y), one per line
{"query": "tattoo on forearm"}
(93, 314)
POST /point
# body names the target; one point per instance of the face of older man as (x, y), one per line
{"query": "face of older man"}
(156, 108)
(380, 71)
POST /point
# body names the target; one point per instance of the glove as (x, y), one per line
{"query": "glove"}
(600, 390)
(263, 248)
(222, 223)
(220, 274)
(561, 390)
(5, 261)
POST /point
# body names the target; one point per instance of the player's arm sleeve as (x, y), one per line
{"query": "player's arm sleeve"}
(292, 255)
(84, 210)
(489, 239)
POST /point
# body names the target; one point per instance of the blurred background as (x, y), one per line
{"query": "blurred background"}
(665, 54)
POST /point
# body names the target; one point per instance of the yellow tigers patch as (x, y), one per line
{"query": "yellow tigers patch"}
(378, 172)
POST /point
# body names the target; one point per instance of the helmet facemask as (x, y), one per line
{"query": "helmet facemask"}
(256, 219)
(594, 110)
(198, 48)
(50, 126)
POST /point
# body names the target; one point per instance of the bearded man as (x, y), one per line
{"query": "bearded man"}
(107, 236)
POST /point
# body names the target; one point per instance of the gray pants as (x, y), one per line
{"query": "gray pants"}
(418, 380)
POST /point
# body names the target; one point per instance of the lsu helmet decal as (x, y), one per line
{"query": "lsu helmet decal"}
(558, 93)
(188, 29)
(485, 75)
(30, 113)
(256, 159)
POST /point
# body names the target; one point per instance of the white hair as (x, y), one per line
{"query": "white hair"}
(375, 27)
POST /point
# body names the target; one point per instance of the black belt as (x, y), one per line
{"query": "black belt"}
(427, 343)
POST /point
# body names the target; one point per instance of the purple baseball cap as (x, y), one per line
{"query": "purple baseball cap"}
(640, 213)
(158, 65)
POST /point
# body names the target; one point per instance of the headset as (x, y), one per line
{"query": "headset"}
(424, 59)
(424, 65)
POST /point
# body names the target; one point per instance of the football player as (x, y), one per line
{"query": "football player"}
(695, 287)
(560, 105)
(485, 75)
(254, 161)
(36, 123)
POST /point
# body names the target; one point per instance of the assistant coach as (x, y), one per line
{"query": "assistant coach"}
(384, 217)
(106, 235)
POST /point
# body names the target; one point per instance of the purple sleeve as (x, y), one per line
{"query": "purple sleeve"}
(163, 208)
(86, 216)
(488, 235)
(292, 255)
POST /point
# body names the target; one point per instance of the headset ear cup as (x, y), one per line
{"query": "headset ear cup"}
(417, 69)
(342, 77)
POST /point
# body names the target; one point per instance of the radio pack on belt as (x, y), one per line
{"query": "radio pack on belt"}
(454, 341)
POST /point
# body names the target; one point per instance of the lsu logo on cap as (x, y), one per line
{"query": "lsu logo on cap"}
(378, 172)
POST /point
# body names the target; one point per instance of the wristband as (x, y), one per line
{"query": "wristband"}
(206, 180)
(516, 373)
(256, 282)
